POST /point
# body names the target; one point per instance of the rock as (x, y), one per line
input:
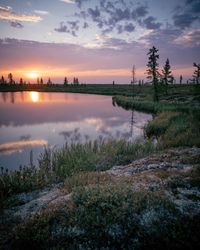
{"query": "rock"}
(169, 172)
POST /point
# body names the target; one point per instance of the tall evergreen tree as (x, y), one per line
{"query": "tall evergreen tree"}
(65, 81)
(152, 70)
(74, 81)
(2, 80)
(133, 79)
(197, 73)
(166, 73)
(10, 78)
(21, 81)
(181, 79)
(38, 80)
(49, 82)
(41, 81)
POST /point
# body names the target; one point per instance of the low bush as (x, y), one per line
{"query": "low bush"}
(110, 217)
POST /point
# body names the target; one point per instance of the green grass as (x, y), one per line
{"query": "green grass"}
(177, 115)
(175, 129)
(58, 164)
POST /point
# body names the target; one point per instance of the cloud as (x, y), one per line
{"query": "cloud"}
(63, 28)
(129, 27)
(68, 1)
(71, 27)
(151, 24)
(16, 25)
(187, 14)
(41, 12)
(94, 13)
(16, 146)
(78, 2)
(141, 11)
(189, 38)
(121, 16)
(161, 37)
(6, 13)
(184, 20)
(85, 25)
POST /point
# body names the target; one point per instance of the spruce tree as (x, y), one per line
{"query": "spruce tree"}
(10, 78)
(49, 82)
(152, 70)
(2, 80)
(166, 73)
(21, 81)
(197, 73)
(181, 79)
(65, 81)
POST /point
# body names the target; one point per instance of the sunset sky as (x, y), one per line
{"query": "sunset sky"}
(97, 41)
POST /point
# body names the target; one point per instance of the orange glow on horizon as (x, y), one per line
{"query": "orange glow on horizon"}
(59, 73)
(33, 74)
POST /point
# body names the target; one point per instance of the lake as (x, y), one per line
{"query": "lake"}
(31, 120)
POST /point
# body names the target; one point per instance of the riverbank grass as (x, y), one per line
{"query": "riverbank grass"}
(55, 165)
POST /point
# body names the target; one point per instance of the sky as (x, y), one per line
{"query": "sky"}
(97, 41)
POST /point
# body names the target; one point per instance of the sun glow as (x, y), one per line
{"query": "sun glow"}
(33, 74)
(34, 96)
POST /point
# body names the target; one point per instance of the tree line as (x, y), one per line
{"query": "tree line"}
(10, 81)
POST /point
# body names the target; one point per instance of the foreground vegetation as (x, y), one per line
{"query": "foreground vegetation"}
(106, 212)
(110, 217)
(56, 165)
(177, 115)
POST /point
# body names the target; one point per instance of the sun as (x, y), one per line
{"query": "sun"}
(33, 74)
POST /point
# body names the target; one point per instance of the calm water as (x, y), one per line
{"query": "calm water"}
(31, 120)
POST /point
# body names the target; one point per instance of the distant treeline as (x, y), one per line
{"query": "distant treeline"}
(10, 81)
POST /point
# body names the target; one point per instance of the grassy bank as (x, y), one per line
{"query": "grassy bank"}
(177, 115)
(56, 165)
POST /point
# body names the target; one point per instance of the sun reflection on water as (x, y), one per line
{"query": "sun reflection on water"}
(34, 96)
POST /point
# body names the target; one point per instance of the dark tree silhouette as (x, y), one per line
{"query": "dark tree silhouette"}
(21, 81)
(133, 75)
(65, 81)
(41, 81)
(166, 73)
(38, 80)
(196, 73)
(181, 79)
(133, 79)
(10, 78)
(2, 80)
(152, 70)
(49, 82)
(75, 81)
(113, 83)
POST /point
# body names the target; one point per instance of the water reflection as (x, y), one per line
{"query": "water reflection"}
(34, 96)
(17, 146)
(30, 120)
